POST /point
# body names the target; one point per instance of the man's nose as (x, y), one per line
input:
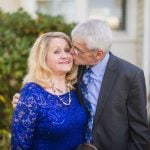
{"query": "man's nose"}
(72, 52)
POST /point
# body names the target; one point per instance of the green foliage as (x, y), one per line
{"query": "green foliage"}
(18, 31)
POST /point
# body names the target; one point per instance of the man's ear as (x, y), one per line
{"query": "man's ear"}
(99, 54)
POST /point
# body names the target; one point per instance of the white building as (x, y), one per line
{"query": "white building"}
(129, 19)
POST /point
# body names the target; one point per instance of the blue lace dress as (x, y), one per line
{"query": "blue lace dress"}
(42, 122)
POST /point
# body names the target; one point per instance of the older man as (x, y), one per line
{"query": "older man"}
(111, 89)
(117, 91)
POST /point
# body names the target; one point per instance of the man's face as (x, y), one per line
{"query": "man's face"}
(82, 55)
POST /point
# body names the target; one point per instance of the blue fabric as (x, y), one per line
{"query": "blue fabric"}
(85, 92)
(94, 87)
(42, 122)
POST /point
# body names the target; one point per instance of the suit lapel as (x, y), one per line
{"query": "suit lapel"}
(107, 84)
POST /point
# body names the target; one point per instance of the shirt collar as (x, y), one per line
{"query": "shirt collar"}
(100, 68)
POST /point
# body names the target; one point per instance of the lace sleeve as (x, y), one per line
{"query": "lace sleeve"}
(23, 122)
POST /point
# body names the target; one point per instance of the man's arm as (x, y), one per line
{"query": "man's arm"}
(137, 114)
(15, 99)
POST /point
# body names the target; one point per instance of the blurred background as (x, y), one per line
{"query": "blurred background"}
(22, 21)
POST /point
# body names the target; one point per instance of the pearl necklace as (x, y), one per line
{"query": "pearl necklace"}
(54, 89)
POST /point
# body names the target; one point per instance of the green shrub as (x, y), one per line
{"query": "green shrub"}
(18, 31)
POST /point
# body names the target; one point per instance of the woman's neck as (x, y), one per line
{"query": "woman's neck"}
(58, 83)
(58, 80)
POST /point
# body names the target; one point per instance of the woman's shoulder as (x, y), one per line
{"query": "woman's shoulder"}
(29, 94)
(31, 88)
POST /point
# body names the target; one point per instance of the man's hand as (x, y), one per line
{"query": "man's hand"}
(15, 99)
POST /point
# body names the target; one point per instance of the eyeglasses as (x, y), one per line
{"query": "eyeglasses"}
(78, 51)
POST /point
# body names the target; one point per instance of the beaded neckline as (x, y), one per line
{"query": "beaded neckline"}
(55, 90)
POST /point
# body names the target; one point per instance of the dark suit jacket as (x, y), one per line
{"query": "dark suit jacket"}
(120, 121)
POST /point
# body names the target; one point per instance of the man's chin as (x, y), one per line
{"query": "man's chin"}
(77, 63)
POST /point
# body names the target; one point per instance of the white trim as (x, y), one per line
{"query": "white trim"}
(81, 10)
(146, 45)
(131, 18)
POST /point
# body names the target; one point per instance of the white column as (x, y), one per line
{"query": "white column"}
(81, 10)
(30, 6)
(146, 48)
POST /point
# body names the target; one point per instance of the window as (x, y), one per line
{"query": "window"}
(112, 11)
(66, 8)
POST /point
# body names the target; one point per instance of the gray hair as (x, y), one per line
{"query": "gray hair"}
(94, 33)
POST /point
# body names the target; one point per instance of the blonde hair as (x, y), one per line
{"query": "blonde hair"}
(38, 70)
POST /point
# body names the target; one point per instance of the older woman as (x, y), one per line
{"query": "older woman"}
(48, 115)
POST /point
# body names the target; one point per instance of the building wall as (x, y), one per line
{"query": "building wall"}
(124, 44)
(141, 48)
(9, 5)
(13, 5)
(125, 48)
(140, 32)
(146, 44)
(144, 39)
